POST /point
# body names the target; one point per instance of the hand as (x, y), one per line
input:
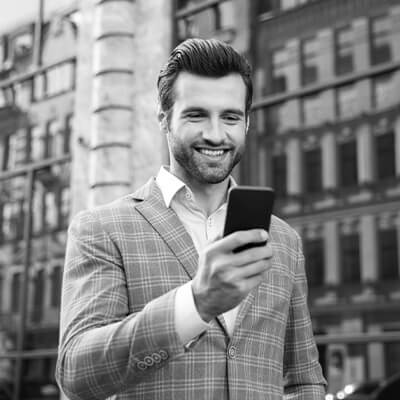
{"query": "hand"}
(224, 278)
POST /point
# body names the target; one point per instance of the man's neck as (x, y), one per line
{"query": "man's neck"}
(210, 197)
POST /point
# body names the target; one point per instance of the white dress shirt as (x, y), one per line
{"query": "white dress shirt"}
(202, 229)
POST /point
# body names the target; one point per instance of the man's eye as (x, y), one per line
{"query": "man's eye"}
(194, 116)
(231, 118)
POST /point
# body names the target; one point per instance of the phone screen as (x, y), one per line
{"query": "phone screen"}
(249, 207)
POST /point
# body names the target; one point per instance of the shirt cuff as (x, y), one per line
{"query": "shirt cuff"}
(188, 322)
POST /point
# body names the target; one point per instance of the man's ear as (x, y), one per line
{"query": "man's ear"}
(247, 124)
(162, 119)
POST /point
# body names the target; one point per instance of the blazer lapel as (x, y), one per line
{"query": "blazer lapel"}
(167, 224)
(165, 221)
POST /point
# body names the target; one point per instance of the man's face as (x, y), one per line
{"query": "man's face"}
(207, 129)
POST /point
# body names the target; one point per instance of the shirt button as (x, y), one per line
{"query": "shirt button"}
(188, 196)
(232, 352)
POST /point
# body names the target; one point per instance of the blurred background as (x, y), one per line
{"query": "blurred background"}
(78, 128)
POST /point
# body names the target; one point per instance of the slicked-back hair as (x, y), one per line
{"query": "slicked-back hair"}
(210, 58)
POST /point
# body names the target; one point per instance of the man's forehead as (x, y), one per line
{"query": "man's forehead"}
(188, 85)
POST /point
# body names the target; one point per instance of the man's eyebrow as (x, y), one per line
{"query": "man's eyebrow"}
(193, 109)
(237, 111)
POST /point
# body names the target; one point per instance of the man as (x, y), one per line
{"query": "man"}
(156, 305)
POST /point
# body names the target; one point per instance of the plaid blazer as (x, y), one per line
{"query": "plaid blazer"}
(124, 262)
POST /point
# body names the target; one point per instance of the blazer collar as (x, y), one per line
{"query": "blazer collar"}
(165, 221)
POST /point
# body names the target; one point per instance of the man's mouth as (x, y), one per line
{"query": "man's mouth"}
(212, 152)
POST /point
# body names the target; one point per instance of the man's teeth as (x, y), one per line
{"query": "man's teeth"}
(212, 152)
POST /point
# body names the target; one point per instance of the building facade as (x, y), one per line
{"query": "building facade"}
(78, 127)
(326, 136)
(36, 124)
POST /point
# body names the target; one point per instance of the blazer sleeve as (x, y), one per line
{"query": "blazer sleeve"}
(103, 347)
(303, 379)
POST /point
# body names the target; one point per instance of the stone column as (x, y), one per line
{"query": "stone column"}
(329, 161)
(361, 44)
(294, 160)
(376, 356)
(331, 245)
(112, 92)
(122, 46)
(368, 248)
(365, 154)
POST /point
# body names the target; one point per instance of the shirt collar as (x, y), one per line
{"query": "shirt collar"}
(170, 185)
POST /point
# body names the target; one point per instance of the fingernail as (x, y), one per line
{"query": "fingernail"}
(264, 235)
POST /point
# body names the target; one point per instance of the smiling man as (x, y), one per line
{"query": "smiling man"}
(156, 304)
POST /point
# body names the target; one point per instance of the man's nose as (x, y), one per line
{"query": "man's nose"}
(214, 131)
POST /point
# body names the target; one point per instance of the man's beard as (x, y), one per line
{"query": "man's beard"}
(202, 169)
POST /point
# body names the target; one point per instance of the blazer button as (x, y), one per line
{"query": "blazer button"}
(232, 352)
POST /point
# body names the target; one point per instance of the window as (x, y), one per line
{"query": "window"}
(17, 149)
(37, 143)
(314, 255)
(266, 6)
(388, 254)
(392, 358)
(312, 110)
(309, 56)
(16, 284)
(23, 94)
(344, 50)
(385, 155)
(347, 102)
(37, 214)
(54, 140)
(350, 258)
(279, 175)
(69, 132)
(51, 210)
(39, 87)
(385, 91)
(278, 71)
(2, 52)
(60, 78)
(347, 156)
(286, 4)
(1, 293)
(23, 44)
(380, 40)
(208, 22)
(38, 299)
(55, 279)
(65, 206)
(13, 219)
(312, 171)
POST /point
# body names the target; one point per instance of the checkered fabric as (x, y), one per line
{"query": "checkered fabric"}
(124, 262)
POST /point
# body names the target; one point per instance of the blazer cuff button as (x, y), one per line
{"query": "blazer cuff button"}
(149, 361)
(141, 365)
(163, 354)
(156, 358)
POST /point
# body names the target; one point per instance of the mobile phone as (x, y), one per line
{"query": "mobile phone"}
(249, 207)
